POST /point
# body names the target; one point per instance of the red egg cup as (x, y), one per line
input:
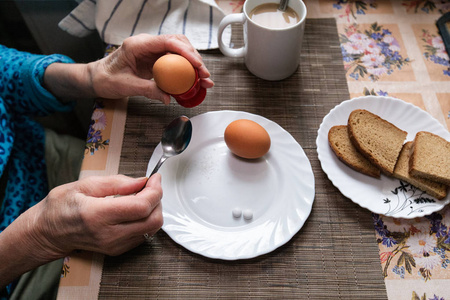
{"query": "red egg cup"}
(194, 96)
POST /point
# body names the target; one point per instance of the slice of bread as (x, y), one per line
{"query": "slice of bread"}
(401, 171)
(377, 139)
(341, 145)
(430, 157)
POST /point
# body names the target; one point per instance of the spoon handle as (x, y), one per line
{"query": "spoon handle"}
(283, 5)
(158, 165)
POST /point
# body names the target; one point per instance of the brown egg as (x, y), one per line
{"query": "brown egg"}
(247, 139)
(173, 74)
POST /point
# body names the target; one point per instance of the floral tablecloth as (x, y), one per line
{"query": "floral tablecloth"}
(394, 48)
(389, 48)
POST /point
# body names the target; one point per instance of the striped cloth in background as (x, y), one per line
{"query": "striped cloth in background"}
(115, 20)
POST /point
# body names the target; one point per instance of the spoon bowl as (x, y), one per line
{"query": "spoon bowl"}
(175, 139)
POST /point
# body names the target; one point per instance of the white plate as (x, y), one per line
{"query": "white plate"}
(206, 182)
(377, 195)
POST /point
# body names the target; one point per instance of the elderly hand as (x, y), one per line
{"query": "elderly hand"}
(125, 72)
(81, 215)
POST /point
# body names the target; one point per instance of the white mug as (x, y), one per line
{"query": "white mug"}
(269, 53)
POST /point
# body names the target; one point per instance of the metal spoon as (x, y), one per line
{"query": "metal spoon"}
(175, 139)
(283, 5)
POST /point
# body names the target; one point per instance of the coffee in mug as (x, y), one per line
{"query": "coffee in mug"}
(270, 16)
(268, 52)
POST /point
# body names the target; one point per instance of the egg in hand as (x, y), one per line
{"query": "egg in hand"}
(247, 139)
(174, 74)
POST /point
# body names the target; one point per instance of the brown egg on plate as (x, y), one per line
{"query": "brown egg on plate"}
(247, 139)
(174, 74)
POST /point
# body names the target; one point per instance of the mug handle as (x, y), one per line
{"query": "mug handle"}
(228, 20)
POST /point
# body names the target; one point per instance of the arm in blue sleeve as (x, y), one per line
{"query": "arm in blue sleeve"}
(21, 79)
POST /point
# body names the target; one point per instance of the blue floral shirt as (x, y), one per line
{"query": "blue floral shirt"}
(22, 140)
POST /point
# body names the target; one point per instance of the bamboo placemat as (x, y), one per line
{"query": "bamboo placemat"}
(335, 254)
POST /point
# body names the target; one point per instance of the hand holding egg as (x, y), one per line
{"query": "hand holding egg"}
(128, 71)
